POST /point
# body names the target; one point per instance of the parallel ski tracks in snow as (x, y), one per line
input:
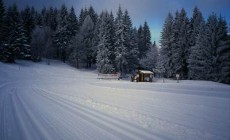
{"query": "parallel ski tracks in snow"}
(2, 117)
(9, 125)
(110, 124)
(56, 102)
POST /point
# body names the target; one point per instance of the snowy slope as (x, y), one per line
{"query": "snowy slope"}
(58, 102)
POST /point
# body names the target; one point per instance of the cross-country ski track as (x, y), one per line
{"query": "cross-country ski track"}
(58, 102)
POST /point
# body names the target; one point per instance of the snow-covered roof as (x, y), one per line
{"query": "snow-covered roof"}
(145, 71)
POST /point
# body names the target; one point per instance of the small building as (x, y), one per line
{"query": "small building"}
(142, 76)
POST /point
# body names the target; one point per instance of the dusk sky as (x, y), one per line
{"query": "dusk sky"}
(152, 11)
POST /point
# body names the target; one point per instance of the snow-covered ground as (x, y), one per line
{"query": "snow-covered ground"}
(58, 102)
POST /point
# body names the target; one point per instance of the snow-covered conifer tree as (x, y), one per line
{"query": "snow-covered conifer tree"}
(105, 51)
(86, 31)
(92, 14)
(2, 14)
(15, 39)
(130, 38)
(146, 39)
(211, 47)
(62, 34)
(82, 16)
(197, 24)
(165, 58)
(41, 43)
(37, 18)
(52, 18)
(199, 56)
(76, 47)
(81, 45)
(121, 50)
(95, 39)
(133, 53)
(44, 16)
(73, 28)
(196, 20)
(150, 61)
(140, 41)
(112, 38)
(209, 57)
(72, 22)
(27, 21)
(2, 26)
(223, 52)
(180, 45)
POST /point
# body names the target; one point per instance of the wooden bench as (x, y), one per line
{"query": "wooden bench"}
(109, 76)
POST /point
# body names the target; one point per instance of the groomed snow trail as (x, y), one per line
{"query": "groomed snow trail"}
(58, 102)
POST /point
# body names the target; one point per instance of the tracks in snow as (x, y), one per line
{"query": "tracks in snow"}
(38, 114)
(33, 113)
(107, 123)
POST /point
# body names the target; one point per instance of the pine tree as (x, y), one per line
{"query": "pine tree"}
(44, 16)
(32, 11)
(37, 19)
(130, 43)
(146, 39)
(150, 61)
(199, 56)
(27, 20)
(180, 45)
(92, 14)
(2, 14)
(197, 22)
(140, 42)
(23, 42)
(2, 11)
(86, 31)
(111, 29)
(83, 42)
(73, 28)
(95, 40)
(82, 16)
(121, 50)
(204, 59)
(16, 40)
(165, 58)
(72, 22)
(175, 48)
(2, 30)
(37, 44)
(212, 36)
(41, 43)
(76, 47)
(52, 18)
(223, 52)
(133, 59)
(62, 35)
(105, 53)
(28, 26)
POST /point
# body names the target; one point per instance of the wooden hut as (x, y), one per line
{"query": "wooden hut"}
(142, 76)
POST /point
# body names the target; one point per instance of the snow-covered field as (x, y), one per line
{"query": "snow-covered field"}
(58, 102)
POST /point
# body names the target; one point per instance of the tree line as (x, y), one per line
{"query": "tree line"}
(109, 42)
(195, 48)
